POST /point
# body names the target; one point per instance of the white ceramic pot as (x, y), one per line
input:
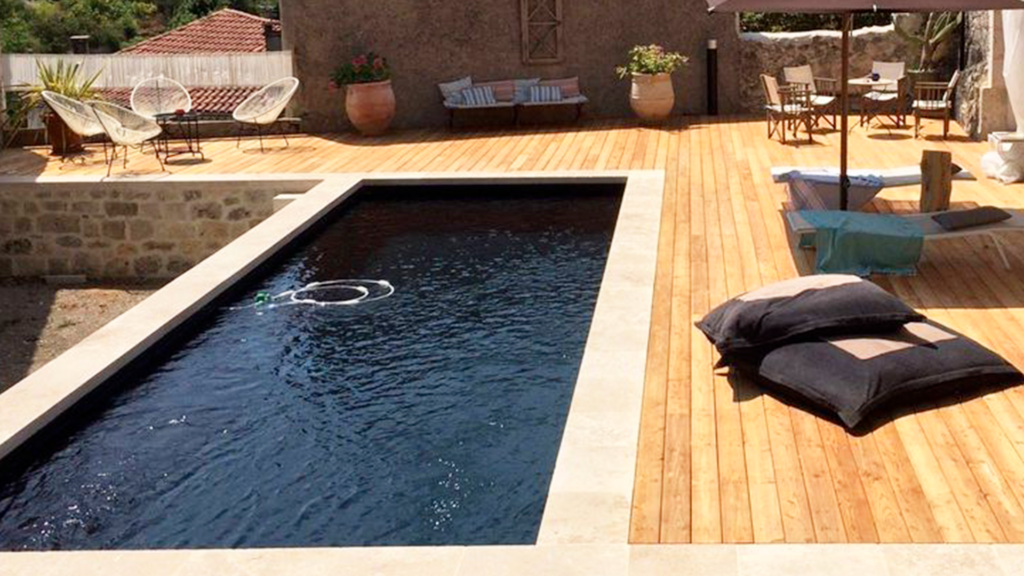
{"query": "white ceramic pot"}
(652, 96)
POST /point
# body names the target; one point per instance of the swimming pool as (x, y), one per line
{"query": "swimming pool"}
(432, 416)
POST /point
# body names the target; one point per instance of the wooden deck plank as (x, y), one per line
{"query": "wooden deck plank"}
(718, 460)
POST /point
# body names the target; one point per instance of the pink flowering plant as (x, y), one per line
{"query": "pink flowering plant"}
(652, 59)
(362, 69)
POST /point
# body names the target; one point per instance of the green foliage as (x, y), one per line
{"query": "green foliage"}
(64, 79)
(185, 11)
(652, 59)
(796, 22)
(937, 28)
(45, 26)
(362, 69)
(15, 31)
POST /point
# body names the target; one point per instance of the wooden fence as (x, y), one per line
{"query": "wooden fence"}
(124, 71)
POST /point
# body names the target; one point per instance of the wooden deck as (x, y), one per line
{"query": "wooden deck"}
(718, 464)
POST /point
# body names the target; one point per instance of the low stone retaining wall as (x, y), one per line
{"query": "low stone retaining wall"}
(126, 229)
(769, 52)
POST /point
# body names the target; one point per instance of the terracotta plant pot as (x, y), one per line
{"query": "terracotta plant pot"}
(62, 140)
(652, 96)
(370, 107)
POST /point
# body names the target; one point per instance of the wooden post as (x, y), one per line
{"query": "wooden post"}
(936, 180)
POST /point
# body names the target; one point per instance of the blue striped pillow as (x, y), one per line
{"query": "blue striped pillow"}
(478, 96)
(545, 93)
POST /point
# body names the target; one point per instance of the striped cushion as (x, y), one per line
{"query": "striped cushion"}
(570, 86)
(545, 94)
(504, 90)
(479, 96)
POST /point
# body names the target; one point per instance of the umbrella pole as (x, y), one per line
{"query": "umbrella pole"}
(844, 104)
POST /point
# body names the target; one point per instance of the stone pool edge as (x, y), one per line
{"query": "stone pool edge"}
(589, 496)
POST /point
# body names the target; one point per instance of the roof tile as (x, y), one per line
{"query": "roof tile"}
(225, 30)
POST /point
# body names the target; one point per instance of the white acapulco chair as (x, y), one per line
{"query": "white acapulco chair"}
(264, 107)
(155, 96)
(77, 116)
(126, 128)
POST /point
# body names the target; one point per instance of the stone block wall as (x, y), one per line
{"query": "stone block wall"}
(974, 74)
(132, 230)
(770, 52)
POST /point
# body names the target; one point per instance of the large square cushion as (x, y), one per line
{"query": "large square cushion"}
(851, 376)
(791, 308)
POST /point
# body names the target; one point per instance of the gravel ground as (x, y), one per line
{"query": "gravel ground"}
(39, 321)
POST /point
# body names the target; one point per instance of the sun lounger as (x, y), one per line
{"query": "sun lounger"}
(818, 188)
(934, 231)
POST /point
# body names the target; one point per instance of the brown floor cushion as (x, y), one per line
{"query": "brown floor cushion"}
(851, 376)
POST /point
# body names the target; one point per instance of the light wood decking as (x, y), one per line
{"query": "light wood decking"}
(718, 464)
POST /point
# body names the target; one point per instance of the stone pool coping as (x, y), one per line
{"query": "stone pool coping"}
(589, 496)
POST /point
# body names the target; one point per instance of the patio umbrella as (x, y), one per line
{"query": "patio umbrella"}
(847, 8)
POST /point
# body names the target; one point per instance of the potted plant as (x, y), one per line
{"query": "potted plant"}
(651, 68)
(369, 99)
(937, 27)
(63, 79)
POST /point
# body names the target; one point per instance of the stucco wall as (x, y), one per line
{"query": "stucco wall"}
(124, 229)
(431, 41)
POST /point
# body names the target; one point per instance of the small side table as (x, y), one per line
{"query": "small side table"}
(181, 127)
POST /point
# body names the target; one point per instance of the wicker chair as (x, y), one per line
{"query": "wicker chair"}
(824, 91)
(77, 116)
(125, 129)
(888, 100)
(155, 96)
(787, 108)
(264, 107)
(934, 100)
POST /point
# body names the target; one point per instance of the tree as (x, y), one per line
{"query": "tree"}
(41, 26)
(186, 11)
(801, 22)
(47, 25)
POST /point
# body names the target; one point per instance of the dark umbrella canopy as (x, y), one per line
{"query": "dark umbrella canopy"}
(847, 8)
(825, 6)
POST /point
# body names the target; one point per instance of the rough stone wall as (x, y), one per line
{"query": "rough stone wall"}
(769, 52)
(974, 74)
(432, 41)
(120, 229)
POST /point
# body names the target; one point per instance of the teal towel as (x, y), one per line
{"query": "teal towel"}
(864, 244)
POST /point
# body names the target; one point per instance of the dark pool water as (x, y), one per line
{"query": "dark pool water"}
(429, 417)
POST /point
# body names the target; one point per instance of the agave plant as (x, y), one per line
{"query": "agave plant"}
(937, 28)
(62, 78)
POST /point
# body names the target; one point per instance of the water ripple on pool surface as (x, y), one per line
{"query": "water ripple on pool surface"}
(429, 417)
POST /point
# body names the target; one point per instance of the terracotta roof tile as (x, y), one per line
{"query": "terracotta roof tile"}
(225, 30)
(207, 100)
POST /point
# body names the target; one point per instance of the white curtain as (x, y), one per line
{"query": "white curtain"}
(1013, 64)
